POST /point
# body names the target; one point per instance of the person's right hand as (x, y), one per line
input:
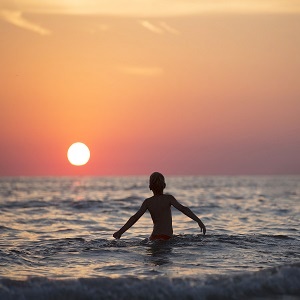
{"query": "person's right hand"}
(117, 235)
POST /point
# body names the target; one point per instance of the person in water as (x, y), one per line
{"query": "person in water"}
(159, 206)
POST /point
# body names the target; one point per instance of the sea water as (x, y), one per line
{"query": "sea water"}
(56, 239)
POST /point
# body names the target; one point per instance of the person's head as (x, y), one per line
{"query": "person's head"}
(157, 182)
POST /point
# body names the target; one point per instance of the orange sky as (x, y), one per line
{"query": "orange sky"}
(196, 88)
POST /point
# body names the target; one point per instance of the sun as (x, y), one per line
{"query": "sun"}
(78, 154)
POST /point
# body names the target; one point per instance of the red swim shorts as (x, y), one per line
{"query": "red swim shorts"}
(163, 237)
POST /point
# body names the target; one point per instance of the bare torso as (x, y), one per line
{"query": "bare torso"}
(159, 207)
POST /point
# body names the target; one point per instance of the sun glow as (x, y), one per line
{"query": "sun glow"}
(78, 154)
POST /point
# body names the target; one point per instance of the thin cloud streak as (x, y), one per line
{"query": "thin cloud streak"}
(151, 27)
(168, 28)
(16, 18)
(162, 27)
(99, 28)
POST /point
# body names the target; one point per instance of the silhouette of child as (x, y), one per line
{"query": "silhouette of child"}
(159, 206)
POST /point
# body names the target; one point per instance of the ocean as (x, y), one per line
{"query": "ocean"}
(56, 239)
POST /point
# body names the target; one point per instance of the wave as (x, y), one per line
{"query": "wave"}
(275, 282)
(130, 202)
(66, 245)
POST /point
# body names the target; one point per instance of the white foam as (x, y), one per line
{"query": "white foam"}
(281, 281)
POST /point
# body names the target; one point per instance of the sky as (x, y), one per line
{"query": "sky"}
(204, 87)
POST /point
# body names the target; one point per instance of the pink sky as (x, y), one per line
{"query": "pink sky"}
(216, 91)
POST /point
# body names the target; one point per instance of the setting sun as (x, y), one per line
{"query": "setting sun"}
(78, 154)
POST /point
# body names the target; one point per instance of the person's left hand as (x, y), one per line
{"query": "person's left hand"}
(202, 227)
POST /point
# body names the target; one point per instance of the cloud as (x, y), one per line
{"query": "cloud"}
(168, 28)
(152, 8)
(99, 28)
(161, 28)
(141, 71)
(151, 27)
(16, 18)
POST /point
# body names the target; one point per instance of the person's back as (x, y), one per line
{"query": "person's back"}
(159, 207)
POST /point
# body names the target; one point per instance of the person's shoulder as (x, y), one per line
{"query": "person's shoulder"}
(168, 197)
(147, 200)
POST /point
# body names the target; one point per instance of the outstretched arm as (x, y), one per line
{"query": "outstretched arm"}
(188, 213)
(132, 220)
